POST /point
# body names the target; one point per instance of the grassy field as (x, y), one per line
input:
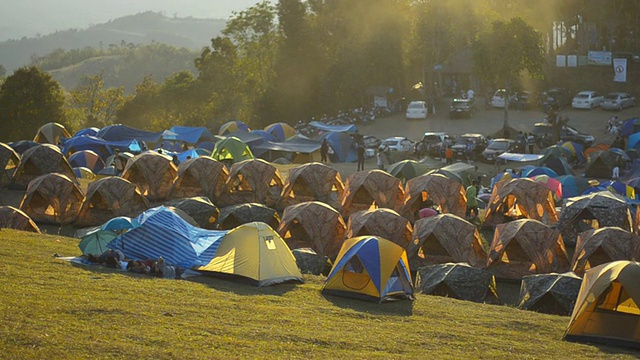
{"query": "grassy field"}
(52, 309)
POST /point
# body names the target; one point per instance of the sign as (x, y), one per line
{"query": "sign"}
(561, 60)
(600, 58)
(572, 60)
(620, 70)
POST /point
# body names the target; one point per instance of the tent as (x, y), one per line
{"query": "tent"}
(255, 252)
(552, 184)
(407, 169)
(189, 134)
(539, 170)
(90, 131)
(594, 210)
(526, 247)
(40, 160)
(231, 150)
(52, 198)
(88, 159)
(309, 262)
(252, 181)
(297, 150)
(254, 139)
(23, 145)
(163, 233)
(384, 223)
(607, 310)
(236, 215)
(120, 132)
(458, 281)
(9, 161)
(83, 173)
(312, 182)
(630, 126)
(370, 268)
(119, 224)
(447, 194)
(598, 246)
(201, 176)
(559, 165)
(12, 218)
(601, 164)
(199, 208)
(371, 189)
(549, 293)
(108, 198)
(98, 145)
(520, 198)
(233, 126)
(460, 172)
(51, 133)
(445, 238)
(577, 151)
(153, 173)
(342, 145)
(281, 131)
(313, 225)
(572, 185)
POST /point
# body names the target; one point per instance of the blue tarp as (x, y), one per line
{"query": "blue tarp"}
(163, 233)
(87, 142)
(333, 128)
(91, 131)
(630, 126)
(123, 132)
(189, 134)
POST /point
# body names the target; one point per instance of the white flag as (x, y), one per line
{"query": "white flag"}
(620, 70)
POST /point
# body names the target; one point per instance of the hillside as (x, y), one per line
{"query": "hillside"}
(142, 28)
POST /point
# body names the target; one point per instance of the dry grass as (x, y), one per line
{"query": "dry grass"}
(51, 309)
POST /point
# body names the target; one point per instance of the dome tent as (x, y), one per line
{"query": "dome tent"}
(252, 181)
(52, 198)
(12, 218)
(152, 172)
(549, 293)
(108, 198)
(371, 189)
(51, 133)
(458, 281)
(448, 194)
(40, 160)
(9, 161)
(384, 223)
(312, 182)
(201, 176)
(236, 215)
(599, 246)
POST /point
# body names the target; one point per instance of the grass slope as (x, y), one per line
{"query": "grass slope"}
(51, 309)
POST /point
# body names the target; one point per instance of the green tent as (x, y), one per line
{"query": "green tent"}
(231, 149)
(407, 169)
(460, 172)
(95, 243)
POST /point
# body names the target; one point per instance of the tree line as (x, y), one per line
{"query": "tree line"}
(296, 59)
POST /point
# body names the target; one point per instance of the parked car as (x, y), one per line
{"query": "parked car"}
(618, 101)
(431, 143)
(417, 110)
(567, 133)
(499, 98)
(461, 108)
(498, 147)
(397, 143)
(371, 142)
(587, 100)
(557, 97)
(469, 146)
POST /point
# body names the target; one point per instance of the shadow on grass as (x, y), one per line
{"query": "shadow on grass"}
(240, 285)
(399, 307)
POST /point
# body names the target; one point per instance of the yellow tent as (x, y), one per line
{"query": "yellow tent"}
(255, 251)
(606, 310)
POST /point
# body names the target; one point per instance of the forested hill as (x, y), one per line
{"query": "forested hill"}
(142, 28)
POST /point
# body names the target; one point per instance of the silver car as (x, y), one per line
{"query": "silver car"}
(618, 101)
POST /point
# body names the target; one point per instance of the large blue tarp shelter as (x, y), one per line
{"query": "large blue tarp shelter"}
(123, 132)
(189, 134)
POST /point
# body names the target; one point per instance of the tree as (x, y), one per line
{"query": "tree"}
(3, 71)
(93, 104)
(29, 98)
(501, 55)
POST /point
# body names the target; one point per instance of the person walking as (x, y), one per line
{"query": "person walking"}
(324, 151)
(360, 152)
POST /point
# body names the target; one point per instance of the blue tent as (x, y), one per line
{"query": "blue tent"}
(163, 233)
(87, 142)
(21, 146)
(91, 131)
(572, 185)
(630, 126)
(123, 132)
(189, 134)
(539, 170)
(343, 146)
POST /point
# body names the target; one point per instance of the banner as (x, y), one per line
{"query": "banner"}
(599, 58)
(620, 70)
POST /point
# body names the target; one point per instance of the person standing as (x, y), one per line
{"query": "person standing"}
(448, 154)
(470, 94)
(360, 152)
(118, 164)
(472, 202)
(324, 151)
(379, 159)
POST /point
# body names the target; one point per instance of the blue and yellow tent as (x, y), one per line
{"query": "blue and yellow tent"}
(371, 268)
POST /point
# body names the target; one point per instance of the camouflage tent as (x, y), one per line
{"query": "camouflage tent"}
(526, 247)
(371, 189)
(152, 172)
(384, 223)
(201, 209)
(12, 218)
(458, 281)
(312, 182)
(110, 197)
(51, 133)
(53, 199)
(448, 194)
(202, 176)
(594, 210)
(520, 198)
(603, 245)
(311, 263)
(445, 238)
(549, 293)
(236, 215)
(40, 160)
(313, 225)
(9, 161)
(601, 164)
(252, 181)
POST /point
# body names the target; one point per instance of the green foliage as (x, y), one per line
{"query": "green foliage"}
(91, 104)
(29, 98)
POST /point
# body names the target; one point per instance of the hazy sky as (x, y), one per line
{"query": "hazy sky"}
(20, 18)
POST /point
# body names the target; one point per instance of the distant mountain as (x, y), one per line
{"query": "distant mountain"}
(142, 28)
